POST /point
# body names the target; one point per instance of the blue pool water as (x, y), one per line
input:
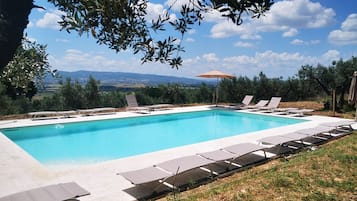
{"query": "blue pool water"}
(95, 141)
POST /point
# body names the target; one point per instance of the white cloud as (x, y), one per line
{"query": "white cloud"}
(290, 33)
(214, 16)
(177, 4)
(331, 55)
(297, 42)
(155, 10)
(299, 14)
(190, 40)
(285, 16)
(302, 42)
(243, 44)
(50, 20)
(191, 31)
(227, 28)
(251, 37)
(347, 35)
(191, 61)
(240, 60)
(30, 24)
(350, 23)
(78, 60)
(273, 64)
(210, 57)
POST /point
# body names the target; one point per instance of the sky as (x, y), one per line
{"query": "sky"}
(292, 34)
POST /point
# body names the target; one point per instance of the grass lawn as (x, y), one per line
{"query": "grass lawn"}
(328, 173)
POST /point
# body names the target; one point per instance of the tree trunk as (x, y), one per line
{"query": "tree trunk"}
(13, 21)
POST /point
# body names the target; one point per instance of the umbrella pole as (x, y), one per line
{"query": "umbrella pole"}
(216, 95)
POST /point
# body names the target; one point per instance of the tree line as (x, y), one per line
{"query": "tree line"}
(310, 83)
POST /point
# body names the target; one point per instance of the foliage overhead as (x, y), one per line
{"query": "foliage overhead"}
(28, 67)
(124, 24)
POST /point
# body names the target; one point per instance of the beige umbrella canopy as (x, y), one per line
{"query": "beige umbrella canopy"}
(216, 74)
(352, 95)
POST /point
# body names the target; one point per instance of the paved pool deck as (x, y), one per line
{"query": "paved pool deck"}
(19, 171)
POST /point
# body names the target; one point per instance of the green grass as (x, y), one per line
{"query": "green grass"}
(328, 173)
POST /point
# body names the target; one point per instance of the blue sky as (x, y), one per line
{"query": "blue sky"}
(293, 33)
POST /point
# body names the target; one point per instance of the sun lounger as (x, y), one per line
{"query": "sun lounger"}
(261, 103)
(245, 102)
(97, 111)
(43, 115)
(320, 134)
(145, 175)
(170, 174)
(134, 106)
(340, 127)
(273, 104)
(299, 112)
(233, 155)
(147, 182)
(159, 107)
(281, 144)
(283, 111)
(187, 170)
(56, 192)
(289, 143)
(180, 165)
(316, 131)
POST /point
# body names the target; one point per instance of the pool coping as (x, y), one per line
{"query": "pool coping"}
(19, 171)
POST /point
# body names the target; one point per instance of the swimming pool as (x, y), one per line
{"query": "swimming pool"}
(102, 140)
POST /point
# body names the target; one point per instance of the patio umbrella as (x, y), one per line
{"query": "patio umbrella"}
(216, 74)
(352, 96)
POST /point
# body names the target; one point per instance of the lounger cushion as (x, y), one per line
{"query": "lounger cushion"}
(56, 192)
(338, 123)
(244, 148)
(145, 175)
(218, 155)
(314, 131)
(274, 140)
(183, 164)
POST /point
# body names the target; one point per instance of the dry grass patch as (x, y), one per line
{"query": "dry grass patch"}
(328, 173)
(303, 104)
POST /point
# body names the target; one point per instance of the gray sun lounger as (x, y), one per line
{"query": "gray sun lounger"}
(340, 127)
(166, 171)
(231, 153)
(285, 138)
(56, 192)
(287, 143)
(273, 104)
(145, 175)
(183, 164)
(317, 135)
(318, 131)
(245, 102)
(261, 103)
(134, 106)
(299, 112)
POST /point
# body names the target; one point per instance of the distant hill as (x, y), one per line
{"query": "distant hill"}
(112, 78)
